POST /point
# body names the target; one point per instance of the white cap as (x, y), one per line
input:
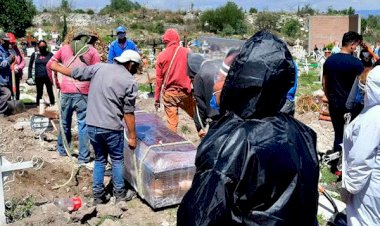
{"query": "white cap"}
(129, 55)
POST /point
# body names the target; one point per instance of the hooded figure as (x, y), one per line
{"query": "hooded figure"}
(173, 83)
(256, 166)
(361, 158)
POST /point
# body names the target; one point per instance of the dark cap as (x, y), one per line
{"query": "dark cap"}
(3, 36)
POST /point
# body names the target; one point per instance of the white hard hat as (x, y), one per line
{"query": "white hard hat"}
(128, 55)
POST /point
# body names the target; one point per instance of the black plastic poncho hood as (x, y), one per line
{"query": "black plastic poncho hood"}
(250, 170)
(259, 78)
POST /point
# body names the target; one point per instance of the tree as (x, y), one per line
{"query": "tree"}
(348, 11)
(291, 28)
(64, 32)
(229, 16)
(120, 6)
(306, 10)
(267, 21)
(17, 15)
(65, 6)
(252, 10)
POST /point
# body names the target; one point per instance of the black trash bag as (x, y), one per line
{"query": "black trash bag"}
(255, 166)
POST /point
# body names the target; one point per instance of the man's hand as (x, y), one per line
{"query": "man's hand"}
(201, 133)
(157, 105)
(132, 143)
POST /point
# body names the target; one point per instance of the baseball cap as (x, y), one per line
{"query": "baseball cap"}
(128, 55)
(121, 29)
(12, 37)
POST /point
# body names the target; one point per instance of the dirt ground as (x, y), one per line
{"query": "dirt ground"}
(38, 183)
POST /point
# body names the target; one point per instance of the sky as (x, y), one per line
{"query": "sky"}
(272, 5)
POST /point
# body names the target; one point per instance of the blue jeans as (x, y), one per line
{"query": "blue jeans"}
(107, 142)
(69, 104)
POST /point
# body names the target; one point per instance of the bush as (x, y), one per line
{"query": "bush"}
(291, 28)
(228, 15)
(90, 12)
(120, 6)
(267, 21)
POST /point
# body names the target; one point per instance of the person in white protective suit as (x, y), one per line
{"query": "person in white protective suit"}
(361, 158)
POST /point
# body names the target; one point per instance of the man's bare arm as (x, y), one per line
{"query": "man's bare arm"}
(129, 119)
(61, 69)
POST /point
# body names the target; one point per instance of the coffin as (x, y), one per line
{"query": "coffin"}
(161, 168)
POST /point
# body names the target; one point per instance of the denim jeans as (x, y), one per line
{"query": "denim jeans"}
(107, 142)
(69, 104)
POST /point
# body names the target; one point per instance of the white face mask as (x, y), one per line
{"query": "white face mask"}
(366, 54)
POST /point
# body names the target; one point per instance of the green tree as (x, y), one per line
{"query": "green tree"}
(16, 15)
(120, 6)
(90, 12)
(64, 31)
(348, 11)
(228, 16)
(65, 6)
(306, 10)
(373, 22)
(291, 28)
(252, 10)
(267, 21)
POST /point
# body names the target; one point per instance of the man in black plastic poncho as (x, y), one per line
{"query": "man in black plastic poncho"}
(256, 166)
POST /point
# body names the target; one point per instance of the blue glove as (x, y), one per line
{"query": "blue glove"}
(4, 63)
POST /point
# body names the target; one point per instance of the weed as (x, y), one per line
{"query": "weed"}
(320, 219)
(327, 176)
(185, 129)
(19, 209)
(103, 218)
(144, 88)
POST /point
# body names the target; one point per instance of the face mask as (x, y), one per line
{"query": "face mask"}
(43, 49)
(366, 54)
(121, 35)
(213, 103)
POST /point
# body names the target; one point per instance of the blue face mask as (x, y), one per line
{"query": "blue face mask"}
(213, 104)
(121, 35)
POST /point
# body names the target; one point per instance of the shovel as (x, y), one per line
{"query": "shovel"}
(15, 105)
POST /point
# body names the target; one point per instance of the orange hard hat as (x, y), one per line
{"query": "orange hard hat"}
(12, 38)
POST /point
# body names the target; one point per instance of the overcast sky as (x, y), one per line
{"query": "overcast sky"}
(287, 5)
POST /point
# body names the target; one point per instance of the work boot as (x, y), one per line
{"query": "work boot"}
(101, 199)
(125, 196)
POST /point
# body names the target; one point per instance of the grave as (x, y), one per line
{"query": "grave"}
(6, 169)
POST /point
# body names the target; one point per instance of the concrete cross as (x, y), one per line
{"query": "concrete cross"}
(6, 169)
(40, 34)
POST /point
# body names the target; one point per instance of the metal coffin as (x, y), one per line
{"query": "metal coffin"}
(161, 168)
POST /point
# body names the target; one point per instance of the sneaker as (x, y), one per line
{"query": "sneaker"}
(129, 195)
(30, 81)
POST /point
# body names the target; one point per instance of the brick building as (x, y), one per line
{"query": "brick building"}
(325, 29)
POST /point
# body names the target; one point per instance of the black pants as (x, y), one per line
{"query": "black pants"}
(5, 94)
(40, 82)
(337, 119)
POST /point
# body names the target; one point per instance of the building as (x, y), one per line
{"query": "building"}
(325, 29)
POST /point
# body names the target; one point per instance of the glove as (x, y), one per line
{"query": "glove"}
(4, 63)
(157, 105)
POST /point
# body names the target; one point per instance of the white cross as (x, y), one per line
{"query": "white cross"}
(7, 168)
(40, 34)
